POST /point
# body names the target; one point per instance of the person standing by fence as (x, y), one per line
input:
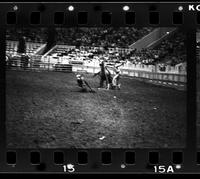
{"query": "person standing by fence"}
(25, 61)
(102, 74)
(21, 49)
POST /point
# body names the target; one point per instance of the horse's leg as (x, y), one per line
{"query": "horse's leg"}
(102, 79)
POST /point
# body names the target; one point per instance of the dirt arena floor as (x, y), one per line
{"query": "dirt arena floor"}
(47, 110)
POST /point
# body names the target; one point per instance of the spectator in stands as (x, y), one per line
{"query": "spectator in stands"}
(105, 37)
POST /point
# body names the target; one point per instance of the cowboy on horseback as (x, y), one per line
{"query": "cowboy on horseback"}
(104, 75)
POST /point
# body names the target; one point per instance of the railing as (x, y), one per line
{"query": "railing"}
(178, 69)
(136, 73)
(36, 63)
(31, 47)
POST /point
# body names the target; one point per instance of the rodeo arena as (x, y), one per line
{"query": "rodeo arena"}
(96, 87)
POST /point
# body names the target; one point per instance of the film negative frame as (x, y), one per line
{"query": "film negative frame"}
(180, 160)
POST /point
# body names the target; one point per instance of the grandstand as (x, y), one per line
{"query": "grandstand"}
(99, 40)
(31, 47)
(173, 50)
(169, 51)
(157, 50)
(34, 35)
(35, 39)
(101, 36)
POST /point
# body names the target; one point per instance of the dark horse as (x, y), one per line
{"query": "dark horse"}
(105, 75)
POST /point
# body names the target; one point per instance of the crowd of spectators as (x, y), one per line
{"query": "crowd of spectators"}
(35, 35)
(101, 36)
(83, 36)
(143, 56)
(171, 50)
(87, 54)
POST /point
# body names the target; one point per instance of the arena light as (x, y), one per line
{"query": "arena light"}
(15, 8)
(126, 8)
(180, 8)
(71, 8)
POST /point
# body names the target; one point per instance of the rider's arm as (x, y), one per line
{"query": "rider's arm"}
(107, 69)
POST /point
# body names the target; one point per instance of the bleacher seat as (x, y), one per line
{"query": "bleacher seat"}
(31, 48)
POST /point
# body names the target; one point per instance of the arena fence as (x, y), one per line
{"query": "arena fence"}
(180, 68)
(136, 73)
(31, 47)
(35, 63)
